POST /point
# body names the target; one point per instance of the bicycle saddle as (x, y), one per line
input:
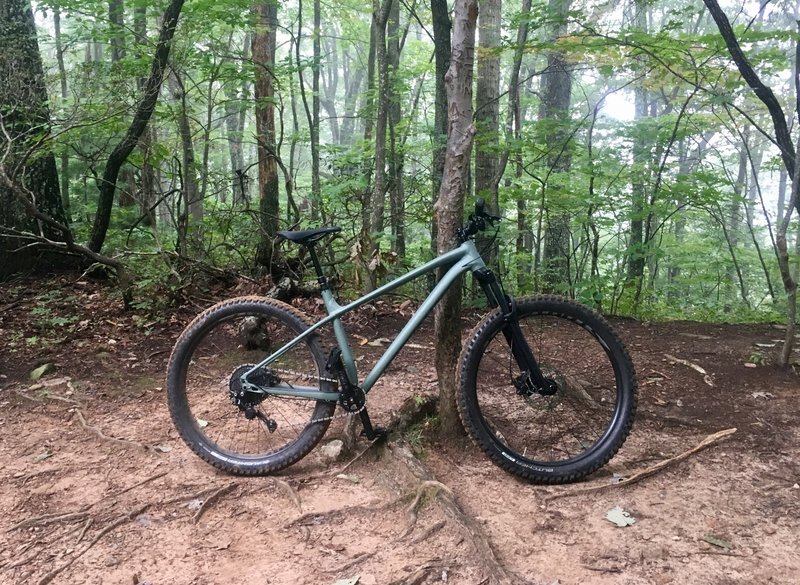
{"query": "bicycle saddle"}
(308, 236)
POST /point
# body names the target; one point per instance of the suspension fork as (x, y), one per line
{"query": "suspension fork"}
(531, 378)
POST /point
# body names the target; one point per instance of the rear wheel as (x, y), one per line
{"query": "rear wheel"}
(575, 425)
(239, 431)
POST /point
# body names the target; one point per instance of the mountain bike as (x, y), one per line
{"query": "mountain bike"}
(546, 388)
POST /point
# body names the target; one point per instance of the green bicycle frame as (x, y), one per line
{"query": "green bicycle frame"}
(459, 260)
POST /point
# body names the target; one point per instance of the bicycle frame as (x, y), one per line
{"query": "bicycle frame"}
(460, 260)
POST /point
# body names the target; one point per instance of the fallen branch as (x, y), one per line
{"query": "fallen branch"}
(211, 499)
(652, 470)
(688, 364)
(116, 523)
(97, 432)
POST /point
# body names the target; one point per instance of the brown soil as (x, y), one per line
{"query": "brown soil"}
(725, 515)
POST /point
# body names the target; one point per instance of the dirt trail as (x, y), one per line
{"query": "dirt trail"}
(726, 515)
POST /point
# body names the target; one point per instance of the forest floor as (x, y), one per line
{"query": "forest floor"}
(81, 501)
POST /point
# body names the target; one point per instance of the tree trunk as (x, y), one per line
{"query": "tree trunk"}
(264, 43)
(147, 175)
(380, 11)
(107, 184)
(62, 74)
(450, 204)
(396, 158)
(24, 118)
(190, 230)
(487, 117)
(554, 109)
(441, 41)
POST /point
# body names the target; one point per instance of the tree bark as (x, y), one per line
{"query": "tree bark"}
(764, 93)
(554, 108)
(450, 204)
(396, 158)
(25, 122)
(441, 41)
(487, 116)
(264, 44)
(107, 184)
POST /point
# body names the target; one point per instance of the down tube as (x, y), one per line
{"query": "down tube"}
(419, 316)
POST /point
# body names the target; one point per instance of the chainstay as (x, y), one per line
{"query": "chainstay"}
(306, 376)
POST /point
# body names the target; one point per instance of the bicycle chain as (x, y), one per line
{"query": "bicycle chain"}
(305, 376)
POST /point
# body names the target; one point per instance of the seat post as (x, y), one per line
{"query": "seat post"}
(321, 279)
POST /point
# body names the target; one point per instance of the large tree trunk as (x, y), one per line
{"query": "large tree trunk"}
(450, 204)
(107, 184)
(25, 118)
(554, 109)
(264, 43)
(487, 116)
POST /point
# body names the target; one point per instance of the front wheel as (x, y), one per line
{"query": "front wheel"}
(239, 431)
(575, 425)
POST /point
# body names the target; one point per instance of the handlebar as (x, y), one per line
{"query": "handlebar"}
(477, 221)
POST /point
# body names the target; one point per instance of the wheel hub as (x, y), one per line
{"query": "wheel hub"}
(245, 399)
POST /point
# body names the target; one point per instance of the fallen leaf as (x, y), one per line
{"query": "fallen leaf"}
(163, 448)
(620, 517)
(350, 581)
(202, 423)
(41, 371)
(750, 365)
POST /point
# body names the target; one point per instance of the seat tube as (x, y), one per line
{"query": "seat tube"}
(341, 338)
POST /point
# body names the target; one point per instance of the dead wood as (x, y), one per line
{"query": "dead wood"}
(86, 526)
(474, 532)
(688, 364)
(211, 499)
(652, 470)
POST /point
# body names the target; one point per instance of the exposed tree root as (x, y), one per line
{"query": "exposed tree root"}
(652, 470)
(411, 511)
(211, 499)
(97, 432)
(475, 533)
(46, 519)
(428, 532)
(289, 490)
(318, 517)
(116, 523)
(359, 558)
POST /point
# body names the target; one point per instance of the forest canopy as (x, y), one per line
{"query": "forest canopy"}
(642, 165)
